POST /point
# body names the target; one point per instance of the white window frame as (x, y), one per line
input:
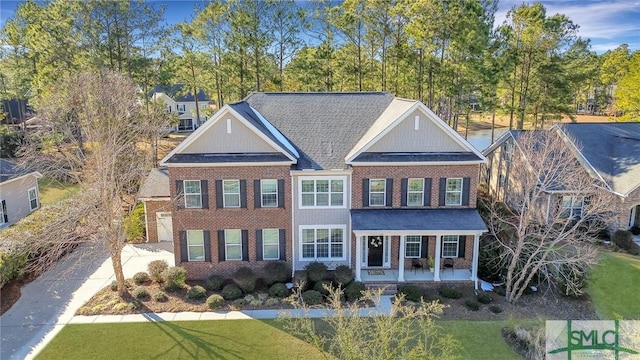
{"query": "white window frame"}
(450, 239)
(188, 194)
(199, 233)
(264, 244)
(35, 191)
(262, 193)
(447, 192)
(330, 243)
(224, 194)
(315, 193)
(384, 192)
(227, 245)
(412, 239)
(421, 192)
(571, 209)
(180, 107)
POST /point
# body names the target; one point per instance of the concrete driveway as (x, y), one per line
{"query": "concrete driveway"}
(49, 302)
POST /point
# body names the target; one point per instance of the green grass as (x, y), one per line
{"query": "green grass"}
(613, 286)
(222, 339)
(52, 191)
(482, 339)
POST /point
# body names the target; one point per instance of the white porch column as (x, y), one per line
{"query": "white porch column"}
(401, 259)
(358, 257)
(474, 263)
(436, 274)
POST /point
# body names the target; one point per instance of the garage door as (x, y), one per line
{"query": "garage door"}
(165, 226)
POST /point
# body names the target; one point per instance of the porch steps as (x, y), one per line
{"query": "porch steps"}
(389, 288)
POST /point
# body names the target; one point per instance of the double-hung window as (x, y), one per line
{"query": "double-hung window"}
(450, 246)
(453, 195)
(233, 244)
(377, 192)
(322, 192)
(33, 198)
(192, 194)
(195, 245)
(413, 246)
(415, 192)
(231, 193)
(572, 206)
(322, 243)
(270, 244)
(269, 193)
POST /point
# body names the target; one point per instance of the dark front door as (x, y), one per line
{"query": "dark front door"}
(376, 249)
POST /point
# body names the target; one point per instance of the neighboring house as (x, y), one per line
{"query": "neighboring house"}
(366, 180)
(18, 192)
(183, 104)
(609, 152)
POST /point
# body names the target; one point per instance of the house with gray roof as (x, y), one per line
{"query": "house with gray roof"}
(366, 180)
(18, 192)
(183, 103)
(609, 152)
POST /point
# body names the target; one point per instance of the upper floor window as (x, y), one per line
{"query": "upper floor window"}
(413, 246)
(269, 193)
(195, 245)
(33, 198)
(415, 192)
(318, 192)
(453, 194)
(180, 107)
(231, 193)
(377, 192)
(450, 246)
(192, 194)
(322, 243)
(572, 206)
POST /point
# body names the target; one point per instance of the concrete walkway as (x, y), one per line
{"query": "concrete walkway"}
(50, 301)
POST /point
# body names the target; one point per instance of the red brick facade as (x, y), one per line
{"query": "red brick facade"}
(151, 208)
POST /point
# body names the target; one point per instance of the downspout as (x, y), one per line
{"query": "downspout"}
(293, 252)
(146, 221)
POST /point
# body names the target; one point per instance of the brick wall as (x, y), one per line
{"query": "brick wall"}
(152, 207)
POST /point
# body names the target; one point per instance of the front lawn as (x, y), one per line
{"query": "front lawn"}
(52, 191)
(481, 339)
(613, 286)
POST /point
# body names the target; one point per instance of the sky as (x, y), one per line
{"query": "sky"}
(608, 23)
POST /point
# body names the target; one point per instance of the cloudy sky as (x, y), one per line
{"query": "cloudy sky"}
(607, 23)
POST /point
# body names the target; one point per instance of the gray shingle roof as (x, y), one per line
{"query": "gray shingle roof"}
(156, 185)
(10, 170)
(419, 219)
(323, 126)
(176, 92)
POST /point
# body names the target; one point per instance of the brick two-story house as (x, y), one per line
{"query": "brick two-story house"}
(366, 180)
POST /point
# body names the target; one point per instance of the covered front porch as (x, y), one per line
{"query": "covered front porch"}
(412, 276)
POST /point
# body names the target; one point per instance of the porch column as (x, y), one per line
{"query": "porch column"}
(358, 257)
(436, 273)
(401, 259)
(474, 262)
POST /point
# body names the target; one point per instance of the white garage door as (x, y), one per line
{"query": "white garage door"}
(165, 226)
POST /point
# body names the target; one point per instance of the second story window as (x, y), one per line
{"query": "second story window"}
(231, 193)
(453, 191)
(180, 107)
(192, 194)
(377, 192)
(322, 192)
(415, 192)
(269, 193)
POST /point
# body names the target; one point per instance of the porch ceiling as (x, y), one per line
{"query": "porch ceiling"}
(467, 220)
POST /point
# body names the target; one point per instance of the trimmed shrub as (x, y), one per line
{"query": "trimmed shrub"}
(319, 287)
(343, 275)
(156, 268)
(312, 297)
(140, 293)
(140, 278)
(160, 297)
(624, 240)
(174, 278)
(278, 290)
(316, 271)
(472, 305)
(411, 292)
(134, 305)
(215, 301)
(354, 290)
(196, 292)
(495, 309)
(214, 282)
(245, 278)
(276, 272)
(113, 286)
(231, 292)
(484, 298)
(450, 292)
(238, 303)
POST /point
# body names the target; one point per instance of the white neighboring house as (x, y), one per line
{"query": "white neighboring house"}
(18, 192)
(183, 104)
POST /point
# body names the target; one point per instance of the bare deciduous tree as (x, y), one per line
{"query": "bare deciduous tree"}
(553, 211)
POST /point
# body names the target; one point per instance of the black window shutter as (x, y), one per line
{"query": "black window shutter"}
(243, 193)
(389, 195)
(283, 244)
(184, 250)
(221, 248)
(281, 193)
(461, 245)
(245, 245)
(204, 187)
(427, 192)
(179, 194)
(259, 245)
(207, 245)
(365, 192)
(219, 200)
(466, 184)
(443, 191)
(424, 247)
(4, 211)
(404, 185)
(257, 194)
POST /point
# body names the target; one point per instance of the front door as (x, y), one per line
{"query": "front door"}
(375, 251)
